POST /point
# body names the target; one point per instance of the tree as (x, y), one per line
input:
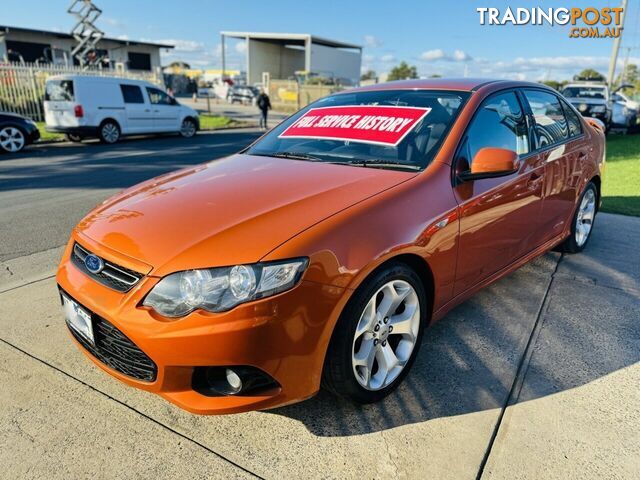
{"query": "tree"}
(630, 75)
(554, 84)
(402, 72)
(435, 75)
(591, 74)
(368, 75)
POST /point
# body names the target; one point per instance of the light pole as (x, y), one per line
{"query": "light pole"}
(616, 47)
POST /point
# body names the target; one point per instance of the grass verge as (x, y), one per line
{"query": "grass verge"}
(207, 122)
(621, 188)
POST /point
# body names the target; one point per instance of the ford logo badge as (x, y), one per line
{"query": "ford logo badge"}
(93, 263)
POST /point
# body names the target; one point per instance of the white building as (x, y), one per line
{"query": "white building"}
(29, 45)
(283, 55)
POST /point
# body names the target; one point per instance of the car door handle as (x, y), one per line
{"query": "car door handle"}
(147, 110)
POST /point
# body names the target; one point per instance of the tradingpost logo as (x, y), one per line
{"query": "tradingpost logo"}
(586, 22)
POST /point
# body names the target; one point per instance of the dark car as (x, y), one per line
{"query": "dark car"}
(242, 94)
(16, 132)
(591, 100)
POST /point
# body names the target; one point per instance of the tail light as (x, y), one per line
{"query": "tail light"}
(78, 111)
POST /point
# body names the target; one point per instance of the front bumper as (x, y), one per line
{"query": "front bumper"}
(284, 336)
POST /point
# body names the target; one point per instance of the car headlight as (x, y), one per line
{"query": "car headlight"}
(220, 289)
(598, 109)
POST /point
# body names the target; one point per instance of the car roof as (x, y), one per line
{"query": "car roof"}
(100, 77)
(460, 84)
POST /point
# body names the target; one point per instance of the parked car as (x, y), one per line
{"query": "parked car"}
(625, 112)
(591, 100)
(623, 117)
(242, 94)
(227, 292)
(16, 132)
(110, 107)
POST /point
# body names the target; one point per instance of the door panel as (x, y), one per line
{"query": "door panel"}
(499, 221)
(137, 109)
(166, 113)
(563, 149)
(500, 216)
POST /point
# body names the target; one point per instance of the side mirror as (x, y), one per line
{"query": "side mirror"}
(492, 162)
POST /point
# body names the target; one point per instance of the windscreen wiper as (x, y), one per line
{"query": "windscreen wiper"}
(384, 164)
(296, 156)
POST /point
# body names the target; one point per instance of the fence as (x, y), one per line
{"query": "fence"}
(289, 95)
(22, 85)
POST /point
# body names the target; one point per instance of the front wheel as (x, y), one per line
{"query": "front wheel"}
(188, 128)
(583, 219)
(378, 336)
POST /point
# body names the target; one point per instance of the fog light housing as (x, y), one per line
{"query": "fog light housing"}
(231, 380)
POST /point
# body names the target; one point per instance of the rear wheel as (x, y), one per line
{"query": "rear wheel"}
(12, 139)
(109, 132)
(582, 220)
(378, 336)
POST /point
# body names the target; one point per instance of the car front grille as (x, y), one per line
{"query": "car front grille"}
(113, 276)
(114, 349)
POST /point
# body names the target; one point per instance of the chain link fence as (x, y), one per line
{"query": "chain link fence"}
(22, 85)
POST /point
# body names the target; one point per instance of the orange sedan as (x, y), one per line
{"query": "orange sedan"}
(319, 254)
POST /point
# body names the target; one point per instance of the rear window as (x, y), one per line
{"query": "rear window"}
(585, 92)
(551, 124)
(131, 94)
(382, 129)
(59, 91)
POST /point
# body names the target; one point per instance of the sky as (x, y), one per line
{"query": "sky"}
(438, 37)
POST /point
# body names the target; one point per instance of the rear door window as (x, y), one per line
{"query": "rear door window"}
(573, 121)
(59, 91)
(131, 94)
(550, 122)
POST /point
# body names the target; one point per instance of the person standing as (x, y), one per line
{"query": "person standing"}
(264, 104)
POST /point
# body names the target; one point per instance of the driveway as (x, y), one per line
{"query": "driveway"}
(535, 377)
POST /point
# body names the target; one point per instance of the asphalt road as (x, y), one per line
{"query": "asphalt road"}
(45, 190)
(535, 377)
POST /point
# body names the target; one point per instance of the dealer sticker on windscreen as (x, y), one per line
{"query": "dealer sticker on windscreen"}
(381, 125)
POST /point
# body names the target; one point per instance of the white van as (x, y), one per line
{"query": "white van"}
(109, 107)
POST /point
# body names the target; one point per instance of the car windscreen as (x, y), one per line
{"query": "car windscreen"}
(400, 129)
(59, 91)
(584, 92)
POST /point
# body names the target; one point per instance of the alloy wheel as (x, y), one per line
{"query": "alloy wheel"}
(11, 139)
(584, 219)
(110, 133)
(188, 129)
(386, 335)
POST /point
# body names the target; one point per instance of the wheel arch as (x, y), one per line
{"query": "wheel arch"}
(414, 261)
(110, 119)
(195, 119)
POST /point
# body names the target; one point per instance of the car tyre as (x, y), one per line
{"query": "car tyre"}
(583, 220)
(188, 128)
(12, 139)
(367, 323)
(109, 132)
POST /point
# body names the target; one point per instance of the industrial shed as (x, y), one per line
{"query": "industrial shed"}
(283, 55)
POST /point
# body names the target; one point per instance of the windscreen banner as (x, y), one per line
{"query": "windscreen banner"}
(381, 125)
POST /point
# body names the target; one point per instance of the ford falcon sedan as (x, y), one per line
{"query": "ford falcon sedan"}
(317, 256)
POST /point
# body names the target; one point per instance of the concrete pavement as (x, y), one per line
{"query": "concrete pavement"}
(534, 377)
